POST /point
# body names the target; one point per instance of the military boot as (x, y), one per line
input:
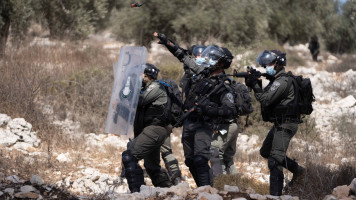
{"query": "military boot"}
(292, 166)
(160, 179)
(203, 170)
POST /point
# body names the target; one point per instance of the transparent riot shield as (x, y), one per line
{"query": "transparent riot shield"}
(125, 93)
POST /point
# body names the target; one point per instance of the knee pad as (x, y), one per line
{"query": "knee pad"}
(133, 172)
(127, 157)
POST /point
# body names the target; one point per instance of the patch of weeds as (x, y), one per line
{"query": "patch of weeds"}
(241, 182)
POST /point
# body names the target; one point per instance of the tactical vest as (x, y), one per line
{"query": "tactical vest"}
(282, 113)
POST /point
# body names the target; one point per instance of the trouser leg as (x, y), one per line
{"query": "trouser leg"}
(188, 147)
(144, 146)
(229, 148)
(276, 177)
(216, 159)
(170, 161)
(159, 178)
(202, 142)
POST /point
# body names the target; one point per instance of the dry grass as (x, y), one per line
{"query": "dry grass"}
(348, 62)
(242, 183)
(320, 180)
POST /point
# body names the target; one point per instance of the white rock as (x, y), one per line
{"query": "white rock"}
(27, 188)
(13, 178)
(148, 191)
(182, 189)
(305, 71)
(64, 157)
(272, 197)
(10, 191)
(89, 171)
(4, 119)
(36, 180)
(349, 101)
(207, 196)
(19, 124)
(240, 198)
(7, 138)
(23, 146)
(230, 188)
(1, 193)
(207, 189)
(258, 197)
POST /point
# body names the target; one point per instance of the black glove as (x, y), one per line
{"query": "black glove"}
(251, 81)
(162, 38)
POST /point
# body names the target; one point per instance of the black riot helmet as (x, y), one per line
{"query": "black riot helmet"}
(151, 70)
(274, 57)
(215, 55)
(196, 50)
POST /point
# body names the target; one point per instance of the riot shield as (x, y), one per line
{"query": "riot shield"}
(125, 93)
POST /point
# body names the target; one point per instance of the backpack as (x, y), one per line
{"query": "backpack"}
(304, 93)
(174, 108)
(242, 98)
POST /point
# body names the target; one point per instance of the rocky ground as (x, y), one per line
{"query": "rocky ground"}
(92, 169)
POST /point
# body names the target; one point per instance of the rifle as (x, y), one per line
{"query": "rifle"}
(250, 72)
(201, 100)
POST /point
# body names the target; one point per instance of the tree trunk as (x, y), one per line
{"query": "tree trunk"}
(4, 33)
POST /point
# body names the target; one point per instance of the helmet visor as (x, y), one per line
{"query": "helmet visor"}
(198, 50)
(212, 54)
(265, 58)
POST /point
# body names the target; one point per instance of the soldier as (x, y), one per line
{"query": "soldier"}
(314, 47)
(150, 131)
(223, 143)
(277, 106)
(199, 127)
(166, 150)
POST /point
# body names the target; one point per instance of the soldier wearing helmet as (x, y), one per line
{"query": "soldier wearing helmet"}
(150, 132)
(275, 99)
(201, 123)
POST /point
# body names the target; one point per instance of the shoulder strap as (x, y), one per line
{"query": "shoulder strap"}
(289, 84)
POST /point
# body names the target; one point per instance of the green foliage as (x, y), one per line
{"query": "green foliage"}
(75, 19)
(341, 30)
